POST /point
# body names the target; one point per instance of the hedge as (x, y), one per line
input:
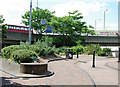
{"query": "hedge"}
(23, 56)
(7, 51)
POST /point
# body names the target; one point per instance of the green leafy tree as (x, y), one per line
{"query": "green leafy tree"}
(3, 28)
(79, 26)
(70, 27)
(63, 26)
(1, 19)
(38, 15)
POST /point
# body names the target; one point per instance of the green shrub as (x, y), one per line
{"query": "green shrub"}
(91, 47)
(25, 45)
(47, 50)
(60, 50)
(39, 47)
(7, 51)
(81, 49)
(101, 53)
(36, 49)
(42, 49)
(62, 54)
(107, 51)
(23, 56)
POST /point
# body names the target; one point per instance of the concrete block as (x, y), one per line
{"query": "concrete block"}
(33, 68)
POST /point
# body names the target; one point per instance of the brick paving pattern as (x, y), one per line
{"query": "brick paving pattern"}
(70, 73)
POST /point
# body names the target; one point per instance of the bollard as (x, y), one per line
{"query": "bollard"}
(119, 55)
(77, 52)
(93, 59)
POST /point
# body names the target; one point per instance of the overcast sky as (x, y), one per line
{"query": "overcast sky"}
(92, 10)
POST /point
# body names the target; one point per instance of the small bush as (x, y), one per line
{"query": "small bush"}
(42, 49)
(101, 53)
(91, 47)
(60, 50)
(23, 56)
(7, 51)
(81, 49)
(105, 52)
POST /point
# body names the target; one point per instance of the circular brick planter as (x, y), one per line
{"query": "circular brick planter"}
(33, 68)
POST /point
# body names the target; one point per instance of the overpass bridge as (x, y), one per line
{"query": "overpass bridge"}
(16, 37)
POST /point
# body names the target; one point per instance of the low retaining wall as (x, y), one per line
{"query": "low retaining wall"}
(33, 68)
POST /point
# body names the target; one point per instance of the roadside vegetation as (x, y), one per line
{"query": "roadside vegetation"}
(24, 53)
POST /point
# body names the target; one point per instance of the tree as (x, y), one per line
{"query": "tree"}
(38, 15)
(79, 26)
(1, 19)
(71, 27)
(3, 28)
(63, 26)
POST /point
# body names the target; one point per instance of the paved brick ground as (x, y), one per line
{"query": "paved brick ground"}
(101, 74)
(70, 73)
(65, 74)
(113, 64)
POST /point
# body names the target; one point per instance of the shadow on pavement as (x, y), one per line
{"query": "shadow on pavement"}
(6, 82)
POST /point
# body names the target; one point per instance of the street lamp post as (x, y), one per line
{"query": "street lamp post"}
(104, 18)
(30, 23)
(96, 23)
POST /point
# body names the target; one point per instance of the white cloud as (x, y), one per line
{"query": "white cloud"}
(83, 7)
(13, 9)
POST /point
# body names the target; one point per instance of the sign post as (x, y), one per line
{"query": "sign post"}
(45, 22)
(30, 23)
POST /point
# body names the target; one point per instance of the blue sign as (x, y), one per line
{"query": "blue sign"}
(48, 31)
(43, 22)
(50, 28)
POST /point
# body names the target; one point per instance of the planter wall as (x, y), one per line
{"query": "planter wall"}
(33, 68)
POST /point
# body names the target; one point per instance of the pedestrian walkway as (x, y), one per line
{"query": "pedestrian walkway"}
(101, 74)
(65, 74)
(76, 71)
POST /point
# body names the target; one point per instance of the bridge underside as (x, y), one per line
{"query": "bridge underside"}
(105, 44)
(16, 38)
(15, 42)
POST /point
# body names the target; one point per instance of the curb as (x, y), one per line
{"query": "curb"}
(39, 76)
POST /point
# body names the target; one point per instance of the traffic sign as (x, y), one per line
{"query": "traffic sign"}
(43, 22)
(48, 31)
(50, 28)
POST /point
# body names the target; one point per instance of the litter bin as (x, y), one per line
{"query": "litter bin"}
(69, 53)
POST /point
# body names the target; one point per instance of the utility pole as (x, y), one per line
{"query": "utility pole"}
(37, 3)
(30, 23)
(95, 23)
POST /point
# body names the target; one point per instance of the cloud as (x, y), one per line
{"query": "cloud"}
(13, 9)
(83, 7)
